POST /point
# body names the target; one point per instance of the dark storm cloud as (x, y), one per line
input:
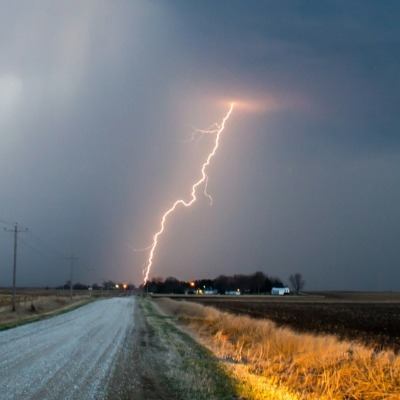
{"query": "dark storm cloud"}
(98, 99)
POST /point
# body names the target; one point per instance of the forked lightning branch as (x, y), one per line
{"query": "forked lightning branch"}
(201, 183)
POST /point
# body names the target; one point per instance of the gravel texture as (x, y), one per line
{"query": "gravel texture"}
(70, 356)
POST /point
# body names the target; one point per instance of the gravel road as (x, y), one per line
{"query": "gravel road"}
(71, 356)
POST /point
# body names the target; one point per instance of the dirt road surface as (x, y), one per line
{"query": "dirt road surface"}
(89, 353)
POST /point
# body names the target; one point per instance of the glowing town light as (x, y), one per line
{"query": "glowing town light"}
(216, 129)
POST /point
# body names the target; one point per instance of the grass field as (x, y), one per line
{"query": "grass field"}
(332, 350)
(373, 319)
(275, 362)
(34, 304)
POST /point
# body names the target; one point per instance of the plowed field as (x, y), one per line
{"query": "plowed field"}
(373, 320)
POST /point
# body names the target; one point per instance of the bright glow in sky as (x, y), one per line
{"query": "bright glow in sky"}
(216, 130)
(98, 100)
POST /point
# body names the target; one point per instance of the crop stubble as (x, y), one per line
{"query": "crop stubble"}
(371, 322)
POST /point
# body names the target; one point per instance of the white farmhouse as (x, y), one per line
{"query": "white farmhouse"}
(280, 291)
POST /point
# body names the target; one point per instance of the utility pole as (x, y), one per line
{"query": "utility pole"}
(72, 259)
(16, 230)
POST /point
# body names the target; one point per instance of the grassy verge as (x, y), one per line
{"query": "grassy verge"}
(44, 307)
(191, 371)
(275, 363)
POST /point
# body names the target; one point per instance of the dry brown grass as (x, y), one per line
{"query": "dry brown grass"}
(277, 363)
(31, 306)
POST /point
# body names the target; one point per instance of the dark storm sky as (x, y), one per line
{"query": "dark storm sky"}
(99, 98)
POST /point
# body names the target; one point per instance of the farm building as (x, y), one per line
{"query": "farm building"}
(280, 291)
(233, 292)
(210, 291)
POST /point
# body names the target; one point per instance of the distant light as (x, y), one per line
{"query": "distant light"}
(117, 286)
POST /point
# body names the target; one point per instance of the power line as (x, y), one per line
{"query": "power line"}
(48, 248)
(16, 230)
(39, 252)
(48, 252)
(45, 251)
(72, 258)
(6, 222)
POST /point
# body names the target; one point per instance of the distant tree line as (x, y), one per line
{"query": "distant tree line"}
(108, 285)
(255, 283)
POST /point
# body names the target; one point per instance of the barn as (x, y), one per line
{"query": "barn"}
(280, 291)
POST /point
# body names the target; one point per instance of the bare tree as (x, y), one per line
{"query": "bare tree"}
(297, 282)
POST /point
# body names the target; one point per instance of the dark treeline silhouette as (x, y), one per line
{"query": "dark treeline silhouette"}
(108, 285)
(256, 283)
(75, 286)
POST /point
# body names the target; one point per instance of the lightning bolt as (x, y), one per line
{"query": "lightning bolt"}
(216, 129)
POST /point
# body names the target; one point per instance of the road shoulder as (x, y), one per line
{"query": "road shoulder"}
(161, 362)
